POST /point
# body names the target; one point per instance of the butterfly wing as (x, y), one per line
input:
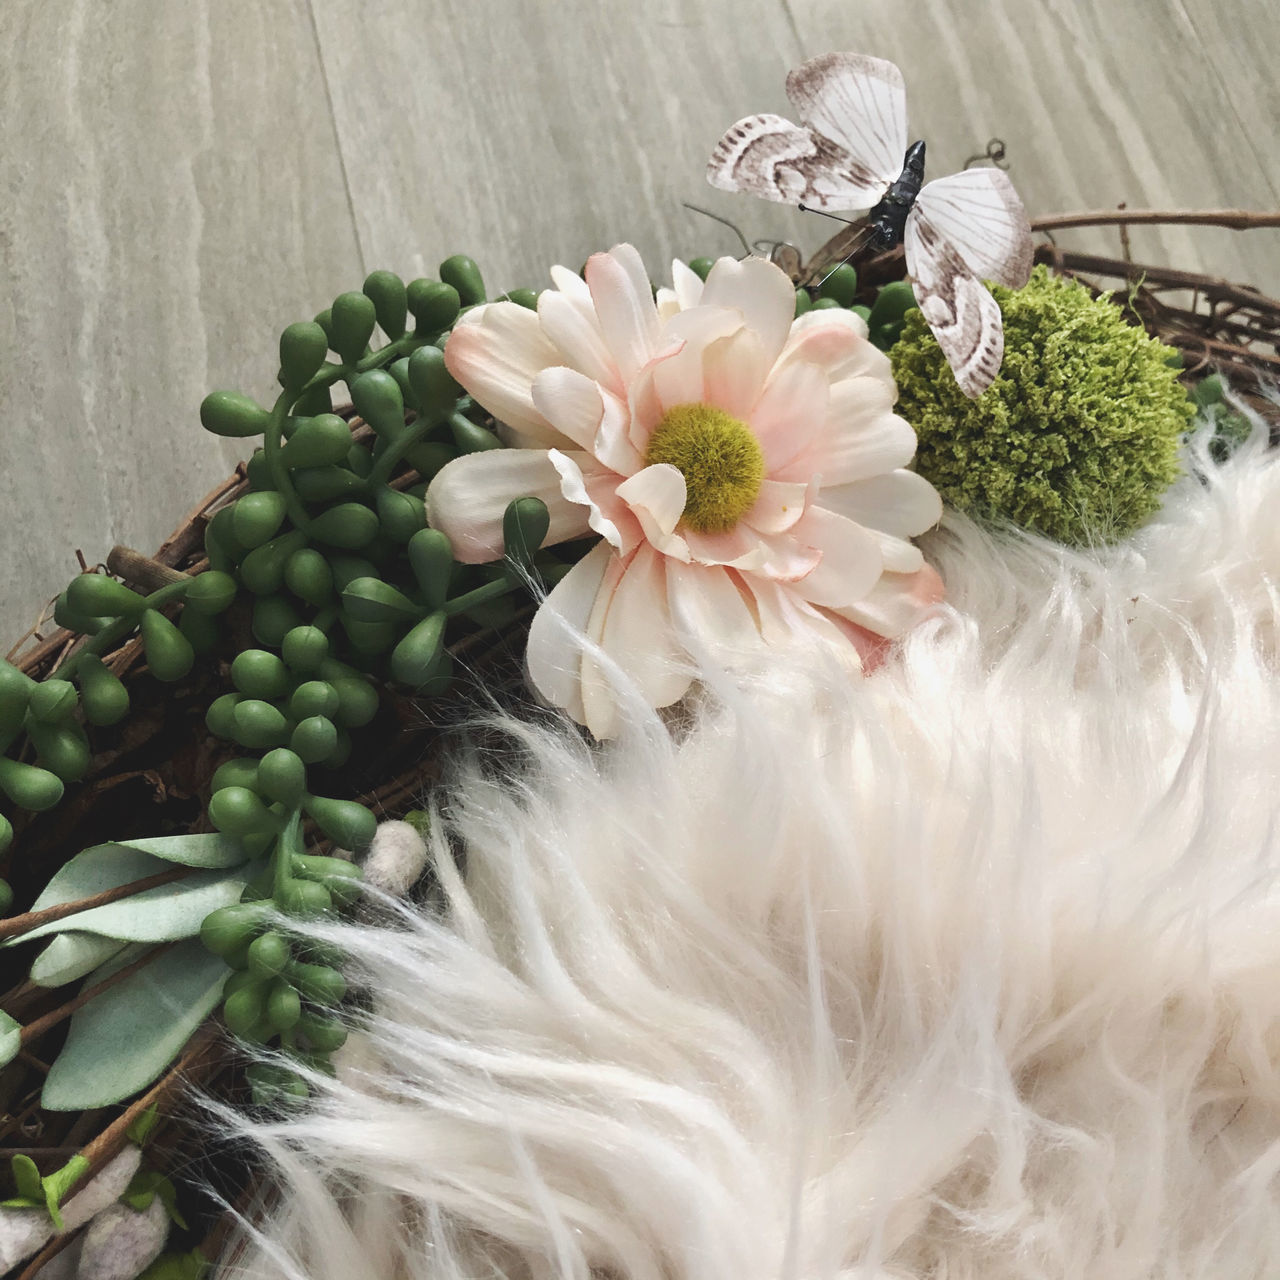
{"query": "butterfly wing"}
(772, 158)
(859, 104)
(978, 213)
(958, 307)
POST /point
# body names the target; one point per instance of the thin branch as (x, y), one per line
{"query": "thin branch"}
(1235, 219)
(34, 1030)
(29, 920)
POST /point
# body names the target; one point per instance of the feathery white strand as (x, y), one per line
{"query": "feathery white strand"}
(966, 970)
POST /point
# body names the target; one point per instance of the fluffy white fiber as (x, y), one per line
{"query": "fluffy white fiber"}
(970, 971)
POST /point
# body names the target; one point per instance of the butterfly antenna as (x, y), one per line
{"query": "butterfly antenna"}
(715, 217)
(835, 217)
(858, 245)
(995, 152)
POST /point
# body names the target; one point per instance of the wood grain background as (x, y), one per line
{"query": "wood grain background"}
(179, 179)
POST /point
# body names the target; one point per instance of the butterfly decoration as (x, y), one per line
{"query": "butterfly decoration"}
(850, 152)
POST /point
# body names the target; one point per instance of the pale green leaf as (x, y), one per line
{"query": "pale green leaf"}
(10, 1038)
(122, 1040)
(159, 914)
(208, 851)
(70, 956)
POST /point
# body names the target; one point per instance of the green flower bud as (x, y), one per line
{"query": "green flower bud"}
(416, 657)
(102, 694)
(386, 291)
(236, 811)
(315, 738)
(322, 441)
(435, 305)
(353, 317)
(259, 674)
(256, 517)
(433, 385)
(282, 776)
(377, 399)
(462, 272)
(840, 285)
(29, 787)
(169, 653)
(303, 347)
(258, 724)
(210, 592)
(347, 824)
(228, 413)
(53, 701)
(349, 526)
(273, 619)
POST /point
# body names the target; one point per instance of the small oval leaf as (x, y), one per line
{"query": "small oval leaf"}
(123, 1039)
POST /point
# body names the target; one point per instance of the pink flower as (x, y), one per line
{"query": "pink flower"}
(743, 469)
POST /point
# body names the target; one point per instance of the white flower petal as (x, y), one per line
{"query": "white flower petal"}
(657, 496)
(761, 292)
(686, 284)
(496, 358)
(899, 502)
(710, 612)
(469, 495)
(778, 506)
(571, 402)
(624, 306)
(597, 691)
(638, 633)
(667, 303)
(862, 436)
(789, 415)
(781, 557)
(554, 653)
(897, 602)
(573, 488)
(573, 286)
(837, 340)
(789, 622)
(576, 335)
(733, 373)
(851, 564)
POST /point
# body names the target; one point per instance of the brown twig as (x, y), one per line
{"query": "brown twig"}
(142, 571)
(16, 925)
(1235, 219)
(34, 1030)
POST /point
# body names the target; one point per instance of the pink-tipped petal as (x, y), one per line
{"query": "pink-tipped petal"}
(554, 653)
(733, 370)
(657, 496)
(571, 402)
(496, 357)
(851, 564)
(789, 622)
(837, 340)
(468, 497)
(625, 307)
(899, 502)
(789, 415)
(573, 488)
(761, 292)
(862, 436)
(783, 558)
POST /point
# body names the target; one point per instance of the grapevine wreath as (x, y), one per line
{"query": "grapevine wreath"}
(519, 542)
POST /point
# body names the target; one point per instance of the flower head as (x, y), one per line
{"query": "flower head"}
(744, 471)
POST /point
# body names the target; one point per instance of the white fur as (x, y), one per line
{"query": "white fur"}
(968, 971)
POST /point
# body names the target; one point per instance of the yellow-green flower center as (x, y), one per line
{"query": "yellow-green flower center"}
(719, 458)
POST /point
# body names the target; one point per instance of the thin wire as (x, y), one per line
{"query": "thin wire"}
(706, 213)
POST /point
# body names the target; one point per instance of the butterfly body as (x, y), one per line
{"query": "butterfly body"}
(849, 152)
(888, 220)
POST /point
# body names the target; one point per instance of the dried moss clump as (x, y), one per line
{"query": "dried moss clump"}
(1078, 436)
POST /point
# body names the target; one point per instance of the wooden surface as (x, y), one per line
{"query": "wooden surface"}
(179, 179)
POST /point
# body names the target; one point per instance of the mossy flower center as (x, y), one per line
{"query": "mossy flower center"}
(719, 458)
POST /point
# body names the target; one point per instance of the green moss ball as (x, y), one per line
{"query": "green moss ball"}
(1078, 436)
